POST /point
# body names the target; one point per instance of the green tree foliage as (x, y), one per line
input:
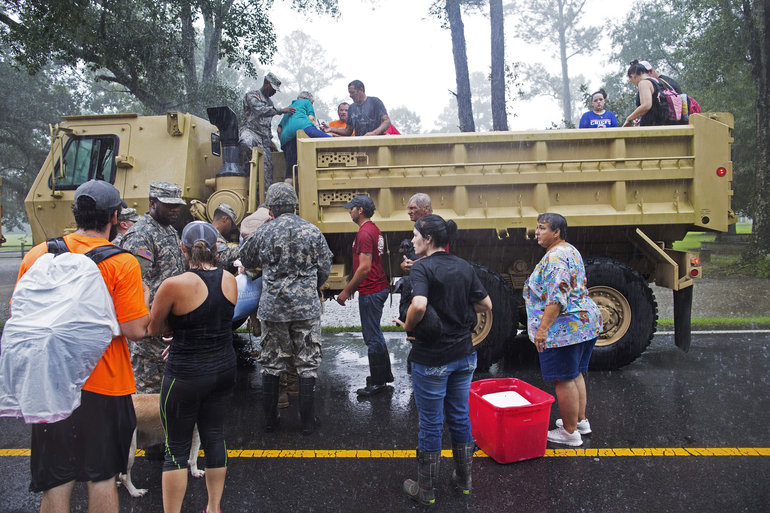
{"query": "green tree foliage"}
(405, 120)
(707, 53)
(157, 51)
(482, 107)
(557, 24)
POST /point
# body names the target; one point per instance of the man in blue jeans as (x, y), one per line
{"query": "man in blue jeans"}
(370, 281)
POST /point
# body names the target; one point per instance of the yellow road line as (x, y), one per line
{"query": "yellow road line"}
(549, 453)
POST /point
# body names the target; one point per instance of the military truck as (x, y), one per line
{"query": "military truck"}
(628, 194)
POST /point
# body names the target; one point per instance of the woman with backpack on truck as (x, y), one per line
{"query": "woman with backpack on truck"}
(648, 101)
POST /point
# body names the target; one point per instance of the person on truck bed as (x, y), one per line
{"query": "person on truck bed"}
(302, 119)
(598, 117)
(258, 111)
(342, 113)
(367, 115)
(647, 101)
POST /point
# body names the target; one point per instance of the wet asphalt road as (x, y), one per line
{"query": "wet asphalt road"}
(713, 397)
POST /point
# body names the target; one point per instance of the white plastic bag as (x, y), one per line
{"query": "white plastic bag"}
(62, 320)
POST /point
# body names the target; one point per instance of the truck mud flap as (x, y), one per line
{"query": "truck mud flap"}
(682, 317)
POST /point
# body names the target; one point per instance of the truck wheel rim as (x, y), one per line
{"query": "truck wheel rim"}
(483, 327)
(616, 314)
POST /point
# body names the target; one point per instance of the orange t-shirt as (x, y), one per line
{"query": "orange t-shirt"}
(340, 124)
(113, 374)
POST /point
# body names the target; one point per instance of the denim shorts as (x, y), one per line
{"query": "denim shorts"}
(565, 363)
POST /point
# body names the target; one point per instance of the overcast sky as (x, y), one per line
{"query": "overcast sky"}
(405, 58)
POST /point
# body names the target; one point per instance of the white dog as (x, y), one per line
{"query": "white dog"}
(148, 432)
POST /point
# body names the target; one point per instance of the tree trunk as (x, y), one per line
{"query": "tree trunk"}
(566, 98)
(499, 111)
(464, 106)
(760, 59)
(188, 52)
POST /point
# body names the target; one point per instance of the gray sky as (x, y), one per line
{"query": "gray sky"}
(405, 58)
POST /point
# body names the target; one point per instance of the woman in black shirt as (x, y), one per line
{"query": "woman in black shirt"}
(197, 306)
(442, 363)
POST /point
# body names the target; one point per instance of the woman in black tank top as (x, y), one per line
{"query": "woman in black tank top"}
(196, 307)
(647, 103)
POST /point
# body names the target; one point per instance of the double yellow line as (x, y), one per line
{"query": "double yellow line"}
(549, 453)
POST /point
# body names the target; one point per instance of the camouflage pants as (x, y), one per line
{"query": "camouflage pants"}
(294, 343)
(148, 364)
(249, 139)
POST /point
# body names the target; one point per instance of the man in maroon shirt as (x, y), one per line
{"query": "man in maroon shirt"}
(373, 288)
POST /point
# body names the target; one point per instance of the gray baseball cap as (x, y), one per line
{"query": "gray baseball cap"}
(200, 230)
(226, 210)
(362, 201)
(128, 214)
(273, 81)
(104, 194)
(167, 192)
(281, 194)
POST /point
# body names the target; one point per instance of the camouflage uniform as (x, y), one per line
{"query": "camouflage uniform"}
(258, 112)
(295, 261)
(227, 253)
(160, 245)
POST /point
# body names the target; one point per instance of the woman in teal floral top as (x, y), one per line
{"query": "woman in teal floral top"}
(563, 323)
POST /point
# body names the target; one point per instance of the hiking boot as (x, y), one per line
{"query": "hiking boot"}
(560, 436)
(583, 427)
(423, 490)
(283, 398)
(370, 390)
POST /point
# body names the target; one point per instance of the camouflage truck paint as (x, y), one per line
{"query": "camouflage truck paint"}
(627, 193)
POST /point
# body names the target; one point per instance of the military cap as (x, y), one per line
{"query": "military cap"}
(362, 201)
(281, 194)
(104, 194)
(273, 81)
(128, 214)
(200, 230)
(167, 192)
(226, 210)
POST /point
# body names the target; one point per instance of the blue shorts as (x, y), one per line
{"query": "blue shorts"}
(565, 363)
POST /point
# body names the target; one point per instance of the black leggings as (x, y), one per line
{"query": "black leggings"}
(187, 401)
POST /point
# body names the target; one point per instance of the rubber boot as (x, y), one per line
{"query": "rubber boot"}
(423, 490)
(463, 456)
(377, 368)
(270, 386)
(306, 405)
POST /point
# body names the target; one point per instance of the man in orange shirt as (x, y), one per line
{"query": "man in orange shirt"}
(92, 444)
(342, 112)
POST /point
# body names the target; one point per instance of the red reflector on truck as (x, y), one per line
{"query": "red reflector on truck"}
(695, 261)
(721, 171)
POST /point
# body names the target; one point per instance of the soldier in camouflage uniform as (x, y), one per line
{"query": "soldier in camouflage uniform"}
(258, 112)
(155, 244)
(126, 220)
(224, 222)
(295, 261)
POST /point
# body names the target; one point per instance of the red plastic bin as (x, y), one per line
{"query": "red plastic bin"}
(514, 433)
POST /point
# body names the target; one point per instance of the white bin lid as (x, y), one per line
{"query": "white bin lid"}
(506, 399)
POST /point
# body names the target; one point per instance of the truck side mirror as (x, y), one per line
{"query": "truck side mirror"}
(216, 147)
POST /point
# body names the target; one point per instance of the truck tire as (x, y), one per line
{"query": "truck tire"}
(493, 329)
(629, 312)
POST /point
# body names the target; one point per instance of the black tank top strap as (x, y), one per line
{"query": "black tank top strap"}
(213, 280)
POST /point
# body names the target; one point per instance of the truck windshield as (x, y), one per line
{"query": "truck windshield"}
(86, 158)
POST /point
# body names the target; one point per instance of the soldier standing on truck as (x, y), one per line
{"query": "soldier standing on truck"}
(155, 244)
(373, 288)
(295, 261)
(367, 115)
(258, 112)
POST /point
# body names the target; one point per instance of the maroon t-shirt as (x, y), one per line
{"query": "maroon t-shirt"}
(370, 240)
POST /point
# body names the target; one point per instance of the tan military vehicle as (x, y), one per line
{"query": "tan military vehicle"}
(628, 194)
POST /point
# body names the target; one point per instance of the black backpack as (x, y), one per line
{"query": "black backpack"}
(57, 246)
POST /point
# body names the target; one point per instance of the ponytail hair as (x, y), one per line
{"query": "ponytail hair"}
(434, 226)
(199, 253)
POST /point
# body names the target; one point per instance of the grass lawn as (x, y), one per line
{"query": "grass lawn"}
(15, 239)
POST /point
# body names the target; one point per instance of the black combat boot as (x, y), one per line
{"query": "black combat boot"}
(379, 364)
(270, 386)
(388, 374)
(423, 490)
(463, 456)
(306, 405)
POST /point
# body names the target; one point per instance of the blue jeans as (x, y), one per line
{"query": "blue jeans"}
(443, 390)
(370, 307)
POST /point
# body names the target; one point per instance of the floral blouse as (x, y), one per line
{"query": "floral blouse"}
(560, 277)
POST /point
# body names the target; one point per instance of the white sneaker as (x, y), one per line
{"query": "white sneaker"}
(560, 436)
(583, 427)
